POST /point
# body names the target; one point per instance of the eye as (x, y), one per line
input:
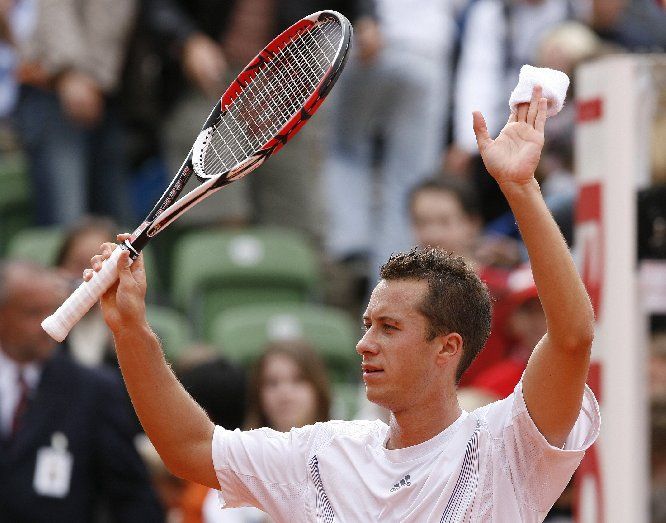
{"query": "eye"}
(388, 327)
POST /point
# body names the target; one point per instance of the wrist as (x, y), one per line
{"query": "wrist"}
(520, 189)
(128, 333)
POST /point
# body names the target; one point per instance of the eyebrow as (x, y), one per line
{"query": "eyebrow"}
(383, 318)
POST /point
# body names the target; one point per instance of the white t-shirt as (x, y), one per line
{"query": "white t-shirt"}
(489, 465)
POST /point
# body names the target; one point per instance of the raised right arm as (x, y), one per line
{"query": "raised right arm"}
(177, 426)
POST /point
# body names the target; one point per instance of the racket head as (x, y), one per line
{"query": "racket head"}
(273, 97)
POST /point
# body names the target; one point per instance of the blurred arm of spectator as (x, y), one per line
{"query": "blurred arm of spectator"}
(480, 76)
(203, 61)
(499, 250)
(204, 64)
(605, 13)
(457, 161)
(369, 39)
(81, 97)
(79, 52)
(5, 30)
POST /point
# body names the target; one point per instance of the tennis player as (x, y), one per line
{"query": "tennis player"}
(426, 320)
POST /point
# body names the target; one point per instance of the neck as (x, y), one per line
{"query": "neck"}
(420, 423)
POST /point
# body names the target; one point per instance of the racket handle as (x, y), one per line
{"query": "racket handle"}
(82, 299)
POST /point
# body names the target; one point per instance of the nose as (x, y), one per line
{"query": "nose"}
(367, 344)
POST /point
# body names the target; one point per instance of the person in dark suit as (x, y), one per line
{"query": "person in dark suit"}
(66, 436)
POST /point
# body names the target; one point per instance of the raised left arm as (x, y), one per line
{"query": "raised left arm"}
(554, 380)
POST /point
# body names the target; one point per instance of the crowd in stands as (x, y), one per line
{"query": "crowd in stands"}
(101, 100)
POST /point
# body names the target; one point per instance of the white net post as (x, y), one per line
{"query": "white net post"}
(614, 98)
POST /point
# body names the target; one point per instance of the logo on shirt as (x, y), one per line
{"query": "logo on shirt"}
(404, 482)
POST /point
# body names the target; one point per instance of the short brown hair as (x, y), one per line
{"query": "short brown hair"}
(456, 301)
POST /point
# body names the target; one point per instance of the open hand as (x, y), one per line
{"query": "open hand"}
(514, 155)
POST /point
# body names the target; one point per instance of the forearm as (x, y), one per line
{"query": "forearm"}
(177, 426)
(565, 302)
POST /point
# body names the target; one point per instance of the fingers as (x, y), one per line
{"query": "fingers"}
(105, 251)
(96, 261)
(483, 139)
(521, 112)
(513, 117)
(542, 115)
(124, 263)
(534, 105)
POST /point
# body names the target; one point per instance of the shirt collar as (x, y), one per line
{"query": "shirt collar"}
(10, 368)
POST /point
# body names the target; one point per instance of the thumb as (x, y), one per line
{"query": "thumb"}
(483, 139)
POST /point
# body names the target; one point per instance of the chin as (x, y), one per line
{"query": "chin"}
(379, 399)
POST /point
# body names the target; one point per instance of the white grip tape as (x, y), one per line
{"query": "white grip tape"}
(82, 299)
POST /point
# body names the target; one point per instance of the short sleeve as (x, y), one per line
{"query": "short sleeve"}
(540, 472)
(261, 467)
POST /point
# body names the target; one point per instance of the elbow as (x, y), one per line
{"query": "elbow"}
(578, 341)
(180, 468)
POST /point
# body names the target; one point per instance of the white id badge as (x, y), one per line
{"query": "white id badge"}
(53, 470)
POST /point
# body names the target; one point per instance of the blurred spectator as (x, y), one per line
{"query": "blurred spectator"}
(500, 36)
(658, 461)
(445, 213)
(15, 21)
(67, 451)
(68, 116)
(89, 341)
(394, 92)
(657, 367)
(220, 388)
(216, 40)
(636, 25)
(525, 326)
(288, 388)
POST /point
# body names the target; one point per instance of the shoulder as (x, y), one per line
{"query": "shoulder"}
(306, 440)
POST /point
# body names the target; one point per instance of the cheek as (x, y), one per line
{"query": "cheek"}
(306, 397)
(270, 396)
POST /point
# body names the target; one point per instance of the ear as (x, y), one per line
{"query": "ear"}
(449, 348)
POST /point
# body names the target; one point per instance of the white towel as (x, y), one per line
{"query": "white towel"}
(554, 83)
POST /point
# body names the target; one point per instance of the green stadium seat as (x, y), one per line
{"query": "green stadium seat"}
(15, 211)
(38, 244)
(172, 328)
(216, 270)
(41, 245)
(242, 333)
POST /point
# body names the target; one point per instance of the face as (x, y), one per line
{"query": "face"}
(31, 298)
(84, 247)
(438, 220)
(401, 368)
(527, 323)
(287, 398)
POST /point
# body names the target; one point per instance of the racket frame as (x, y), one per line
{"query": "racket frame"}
(169, 207)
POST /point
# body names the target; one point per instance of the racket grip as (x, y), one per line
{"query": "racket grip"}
(82, 299)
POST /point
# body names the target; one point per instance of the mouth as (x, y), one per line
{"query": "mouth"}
(371, 370)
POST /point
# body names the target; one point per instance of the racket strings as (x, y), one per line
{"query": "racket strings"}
(275, 94)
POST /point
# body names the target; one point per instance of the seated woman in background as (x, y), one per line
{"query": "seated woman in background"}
(89, 342)
(288, 388)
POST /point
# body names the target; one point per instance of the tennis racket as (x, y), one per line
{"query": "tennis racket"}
(267, 104)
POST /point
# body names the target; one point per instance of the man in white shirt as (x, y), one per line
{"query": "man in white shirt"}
(426, 320)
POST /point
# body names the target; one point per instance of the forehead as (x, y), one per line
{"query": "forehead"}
(24, 289)
(435, 195)
(397, 297)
